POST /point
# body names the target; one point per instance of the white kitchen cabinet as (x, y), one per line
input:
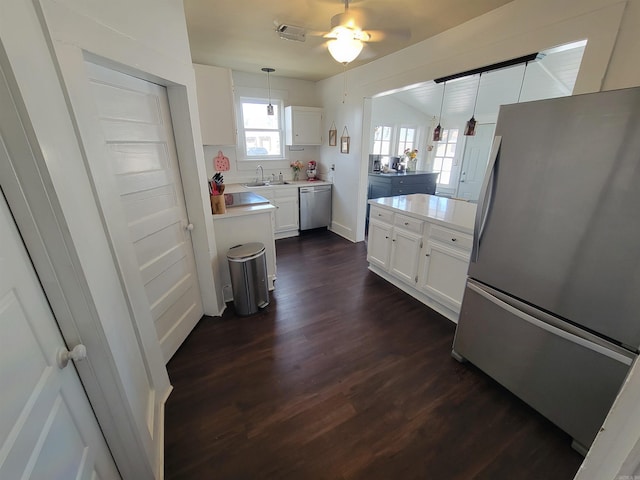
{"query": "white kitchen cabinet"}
(394, 243)
(214, 88)
(379, 244)
(422, 244)
(444, 273)
(405, 255)
(303, 125)
(287, 215)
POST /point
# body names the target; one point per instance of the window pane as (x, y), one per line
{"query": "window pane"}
(386, 148)
(410, 134)
(386, 133)
(454, 135)
(441, 149)
(445, 135)
(447, 163)
(444, 178)
(262, 143)
(451, 150)
(255, 116)
(437, 164)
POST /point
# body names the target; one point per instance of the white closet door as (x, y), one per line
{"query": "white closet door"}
(47, 427)
(136, 122)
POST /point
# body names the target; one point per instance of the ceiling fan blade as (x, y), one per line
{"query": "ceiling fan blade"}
(390, 34)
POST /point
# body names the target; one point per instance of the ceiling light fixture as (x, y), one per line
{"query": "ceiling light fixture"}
(437, 133)
(470, 129)
(346, 44)
(269, 71)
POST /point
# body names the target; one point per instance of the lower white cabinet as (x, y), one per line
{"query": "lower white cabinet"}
(379, 244)
(287, 213)
(444, 272)
(286, 217)
(392, 246)
(425, 259)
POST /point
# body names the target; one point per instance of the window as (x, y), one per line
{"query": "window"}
(262, 134)
(406, 139)
(445, 153)
(382, 140)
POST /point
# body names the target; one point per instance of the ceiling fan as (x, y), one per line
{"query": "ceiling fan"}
(347, 36)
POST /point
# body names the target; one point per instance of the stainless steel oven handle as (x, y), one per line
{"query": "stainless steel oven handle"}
(486, 193)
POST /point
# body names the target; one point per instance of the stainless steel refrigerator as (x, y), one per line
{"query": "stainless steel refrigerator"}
(551, 309)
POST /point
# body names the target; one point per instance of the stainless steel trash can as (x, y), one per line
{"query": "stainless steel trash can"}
(248, 269)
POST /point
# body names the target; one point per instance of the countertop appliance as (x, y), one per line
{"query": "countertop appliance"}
(551, 308)
(315, 206)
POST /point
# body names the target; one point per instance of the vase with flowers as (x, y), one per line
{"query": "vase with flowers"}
(412, 158)
(296, 167)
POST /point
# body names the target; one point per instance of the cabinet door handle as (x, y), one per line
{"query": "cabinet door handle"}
(427, 254)
(454, 239)
(386, 238)
(379, 214)
(393, 240)
(406, 223)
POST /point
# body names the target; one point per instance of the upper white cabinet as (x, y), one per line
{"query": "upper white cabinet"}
(214, 86)
(303, 125)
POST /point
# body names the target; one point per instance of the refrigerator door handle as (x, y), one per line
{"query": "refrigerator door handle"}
(486, 193)
(625, 358)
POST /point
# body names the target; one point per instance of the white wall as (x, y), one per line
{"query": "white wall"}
(516, 29)
(292, 92)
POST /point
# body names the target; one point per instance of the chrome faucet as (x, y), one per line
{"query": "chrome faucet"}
(261, 173)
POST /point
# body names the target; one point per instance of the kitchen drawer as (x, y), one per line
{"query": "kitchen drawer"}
(408, 223)
(381, 215)
(408, 180)
(451, 237)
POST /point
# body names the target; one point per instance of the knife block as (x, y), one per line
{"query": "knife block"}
(217, 204)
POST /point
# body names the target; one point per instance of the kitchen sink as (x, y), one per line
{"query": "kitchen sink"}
(264, 184)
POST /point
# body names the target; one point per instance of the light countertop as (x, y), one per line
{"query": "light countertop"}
(239, 187)
(447, 212)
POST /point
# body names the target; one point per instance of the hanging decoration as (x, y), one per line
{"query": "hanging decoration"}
(437, 132)
(333, 135)
(470, 129)
(344, 141)
(269, 71)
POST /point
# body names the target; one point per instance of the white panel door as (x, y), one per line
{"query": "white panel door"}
(47, 427)
(136, 122)
(474, 162)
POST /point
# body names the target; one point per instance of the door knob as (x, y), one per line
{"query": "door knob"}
(78, 353)
(190, 227)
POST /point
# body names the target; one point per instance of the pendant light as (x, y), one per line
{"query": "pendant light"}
(437, 133)
(269, 71)
(470, 129)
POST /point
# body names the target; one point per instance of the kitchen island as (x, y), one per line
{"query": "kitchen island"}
(422, 244)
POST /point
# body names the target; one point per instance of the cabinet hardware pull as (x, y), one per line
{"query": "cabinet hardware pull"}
(406, 223)
(427, 254)
(454, 239)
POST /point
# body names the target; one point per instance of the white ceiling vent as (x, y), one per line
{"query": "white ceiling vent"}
(291, 32)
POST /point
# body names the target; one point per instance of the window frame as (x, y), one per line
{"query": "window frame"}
(403, 141)
(278, 104)
(381, 142)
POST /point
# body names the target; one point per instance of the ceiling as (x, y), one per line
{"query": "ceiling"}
(242, 35)
(554, 75)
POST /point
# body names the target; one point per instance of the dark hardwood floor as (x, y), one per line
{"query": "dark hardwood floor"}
(343, 376)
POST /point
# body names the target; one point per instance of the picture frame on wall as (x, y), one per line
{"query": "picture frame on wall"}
(333, 135)
(344, 141)
(344, 144)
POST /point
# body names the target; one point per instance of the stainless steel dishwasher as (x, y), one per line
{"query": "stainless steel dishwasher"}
(315, 206)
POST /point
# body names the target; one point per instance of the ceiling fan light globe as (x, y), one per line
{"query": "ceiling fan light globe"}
(345, 49)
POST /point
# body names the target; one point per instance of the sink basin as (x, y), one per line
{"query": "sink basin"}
(264, 184)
